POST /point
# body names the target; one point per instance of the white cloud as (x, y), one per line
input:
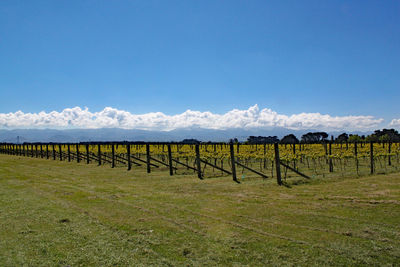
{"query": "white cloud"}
(395, 123)
(251, 118)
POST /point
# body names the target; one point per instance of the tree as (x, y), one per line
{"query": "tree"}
(262, 139)
(342, 138)
(371, 138)
(391, 135)
(190, 141)
(289, 139)
(316, 137)
(234, 140)
(353, 138)
(384, 138)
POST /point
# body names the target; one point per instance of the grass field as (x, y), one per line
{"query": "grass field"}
(67, 214)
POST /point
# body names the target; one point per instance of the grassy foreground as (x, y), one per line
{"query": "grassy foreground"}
(67, 214)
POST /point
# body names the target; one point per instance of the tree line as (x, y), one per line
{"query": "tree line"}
(385, 135)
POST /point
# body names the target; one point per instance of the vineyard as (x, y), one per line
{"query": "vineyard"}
(239, 161)
(138, 204)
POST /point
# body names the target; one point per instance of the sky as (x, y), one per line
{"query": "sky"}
(213, 64)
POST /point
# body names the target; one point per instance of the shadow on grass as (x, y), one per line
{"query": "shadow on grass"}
(290, 184)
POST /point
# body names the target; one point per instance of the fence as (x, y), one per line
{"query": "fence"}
(261, 160)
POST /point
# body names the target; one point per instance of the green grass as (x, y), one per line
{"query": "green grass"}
(67, 214)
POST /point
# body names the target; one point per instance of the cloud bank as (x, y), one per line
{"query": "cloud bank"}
(71, 118)
(395, 123)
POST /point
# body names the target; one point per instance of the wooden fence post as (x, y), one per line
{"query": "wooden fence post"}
(265, 160)
(171, 170)
(148, 158)
(233, 162)
(372, 156)
(87, 154)
(113, 156)
(330, 157)
(390, 151)
(60, 152)
(294, 155)
(78, 156)
(277, 164)
(54, 152)
(69, 153)
(301, 156)
(99, 153)
(356, 155)
(128, 155)
(198, 163)
(47, 151)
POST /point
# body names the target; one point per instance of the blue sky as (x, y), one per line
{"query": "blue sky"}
(332, 57)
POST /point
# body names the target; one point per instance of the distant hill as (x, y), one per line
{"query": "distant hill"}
(116, 134)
